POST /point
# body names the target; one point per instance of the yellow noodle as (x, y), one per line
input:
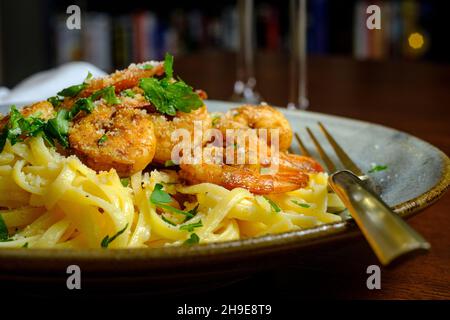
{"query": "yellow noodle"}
(51, 201)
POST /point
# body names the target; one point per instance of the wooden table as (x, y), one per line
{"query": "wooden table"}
(410, 96)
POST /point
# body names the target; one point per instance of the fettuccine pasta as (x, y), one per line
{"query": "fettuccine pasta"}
(52, 201)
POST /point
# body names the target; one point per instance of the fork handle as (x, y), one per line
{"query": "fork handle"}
(388, 234)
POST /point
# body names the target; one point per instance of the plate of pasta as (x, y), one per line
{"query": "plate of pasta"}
(138, 173)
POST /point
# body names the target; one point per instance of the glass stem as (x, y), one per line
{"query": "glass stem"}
(298, 63)
(246, 81)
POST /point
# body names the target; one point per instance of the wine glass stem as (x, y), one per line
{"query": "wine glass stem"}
(298, 66)
(246, 64)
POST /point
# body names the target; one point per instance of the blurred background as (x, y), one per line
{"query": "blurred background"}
(204, 37)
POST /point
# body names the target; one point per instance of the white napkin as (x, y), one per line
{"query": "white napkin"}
(45, 84)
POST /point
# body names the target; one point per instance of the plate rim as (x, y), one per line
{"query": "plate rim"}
(160, 257)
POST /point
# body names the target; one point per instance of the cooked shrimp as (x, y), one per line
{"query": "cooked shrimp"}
(292, 174)
(257, 117)
(126, 78)
(165, 126)
(109, 137)
(121, 80)
(42, 109)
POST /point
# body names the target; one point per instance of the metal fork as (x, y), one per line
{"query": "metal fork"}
(388, 235)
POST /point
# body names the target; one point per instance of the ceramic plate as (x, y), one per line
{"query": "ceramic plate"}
(417, 175)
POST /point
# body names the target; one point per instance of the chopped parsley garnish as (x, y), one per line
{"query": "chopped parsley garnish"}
(107, 240)
(274, 206)
(4, 235)
(264, 170)
(188, 214)
(88, 77)
(25, 245)
(108, 94)
(192, 213)
(377, 168)
(160, 198)
(146, 66)
(58, 128)
(55, 101)
(193, 239)
(169, 163)
(168, 65)
(215, 118)
(74, 90)
(167, 221)
(303, 205)
(102, 140)
(83, 104)
(125, 182)
(190, 227)
(19, 127)
(128, 93)
(169, 95)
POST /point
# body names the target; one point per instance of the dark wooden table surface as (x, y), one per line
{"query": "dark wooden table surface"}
(410, 96)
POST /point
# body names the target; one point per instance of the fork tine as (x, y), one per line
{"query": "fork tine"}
(330, 165)
(342, 155)
(303, 149)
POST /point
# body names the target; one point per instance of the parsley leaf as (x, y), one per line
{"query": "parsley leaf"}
(187, 214)
(215, 118)
(146, 66)
(55, 101)
(128, 93)
(274, 206)
(168, 65)
(4, 236)
(102, 140)
(107, 240)
(88, 77)
(190, 227)
(159, 198)
(15, 129)
(19, 127)
(58, 127)
(83, 104)
(108, 93)
(169, 163)
(74, 90)
(303, 205)
(265, 170)
(125, 182)
(192, 213)
(376, 168)
(169, 96)
(156, 94)
(193, 239)
(25, 245)
(167, 221)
